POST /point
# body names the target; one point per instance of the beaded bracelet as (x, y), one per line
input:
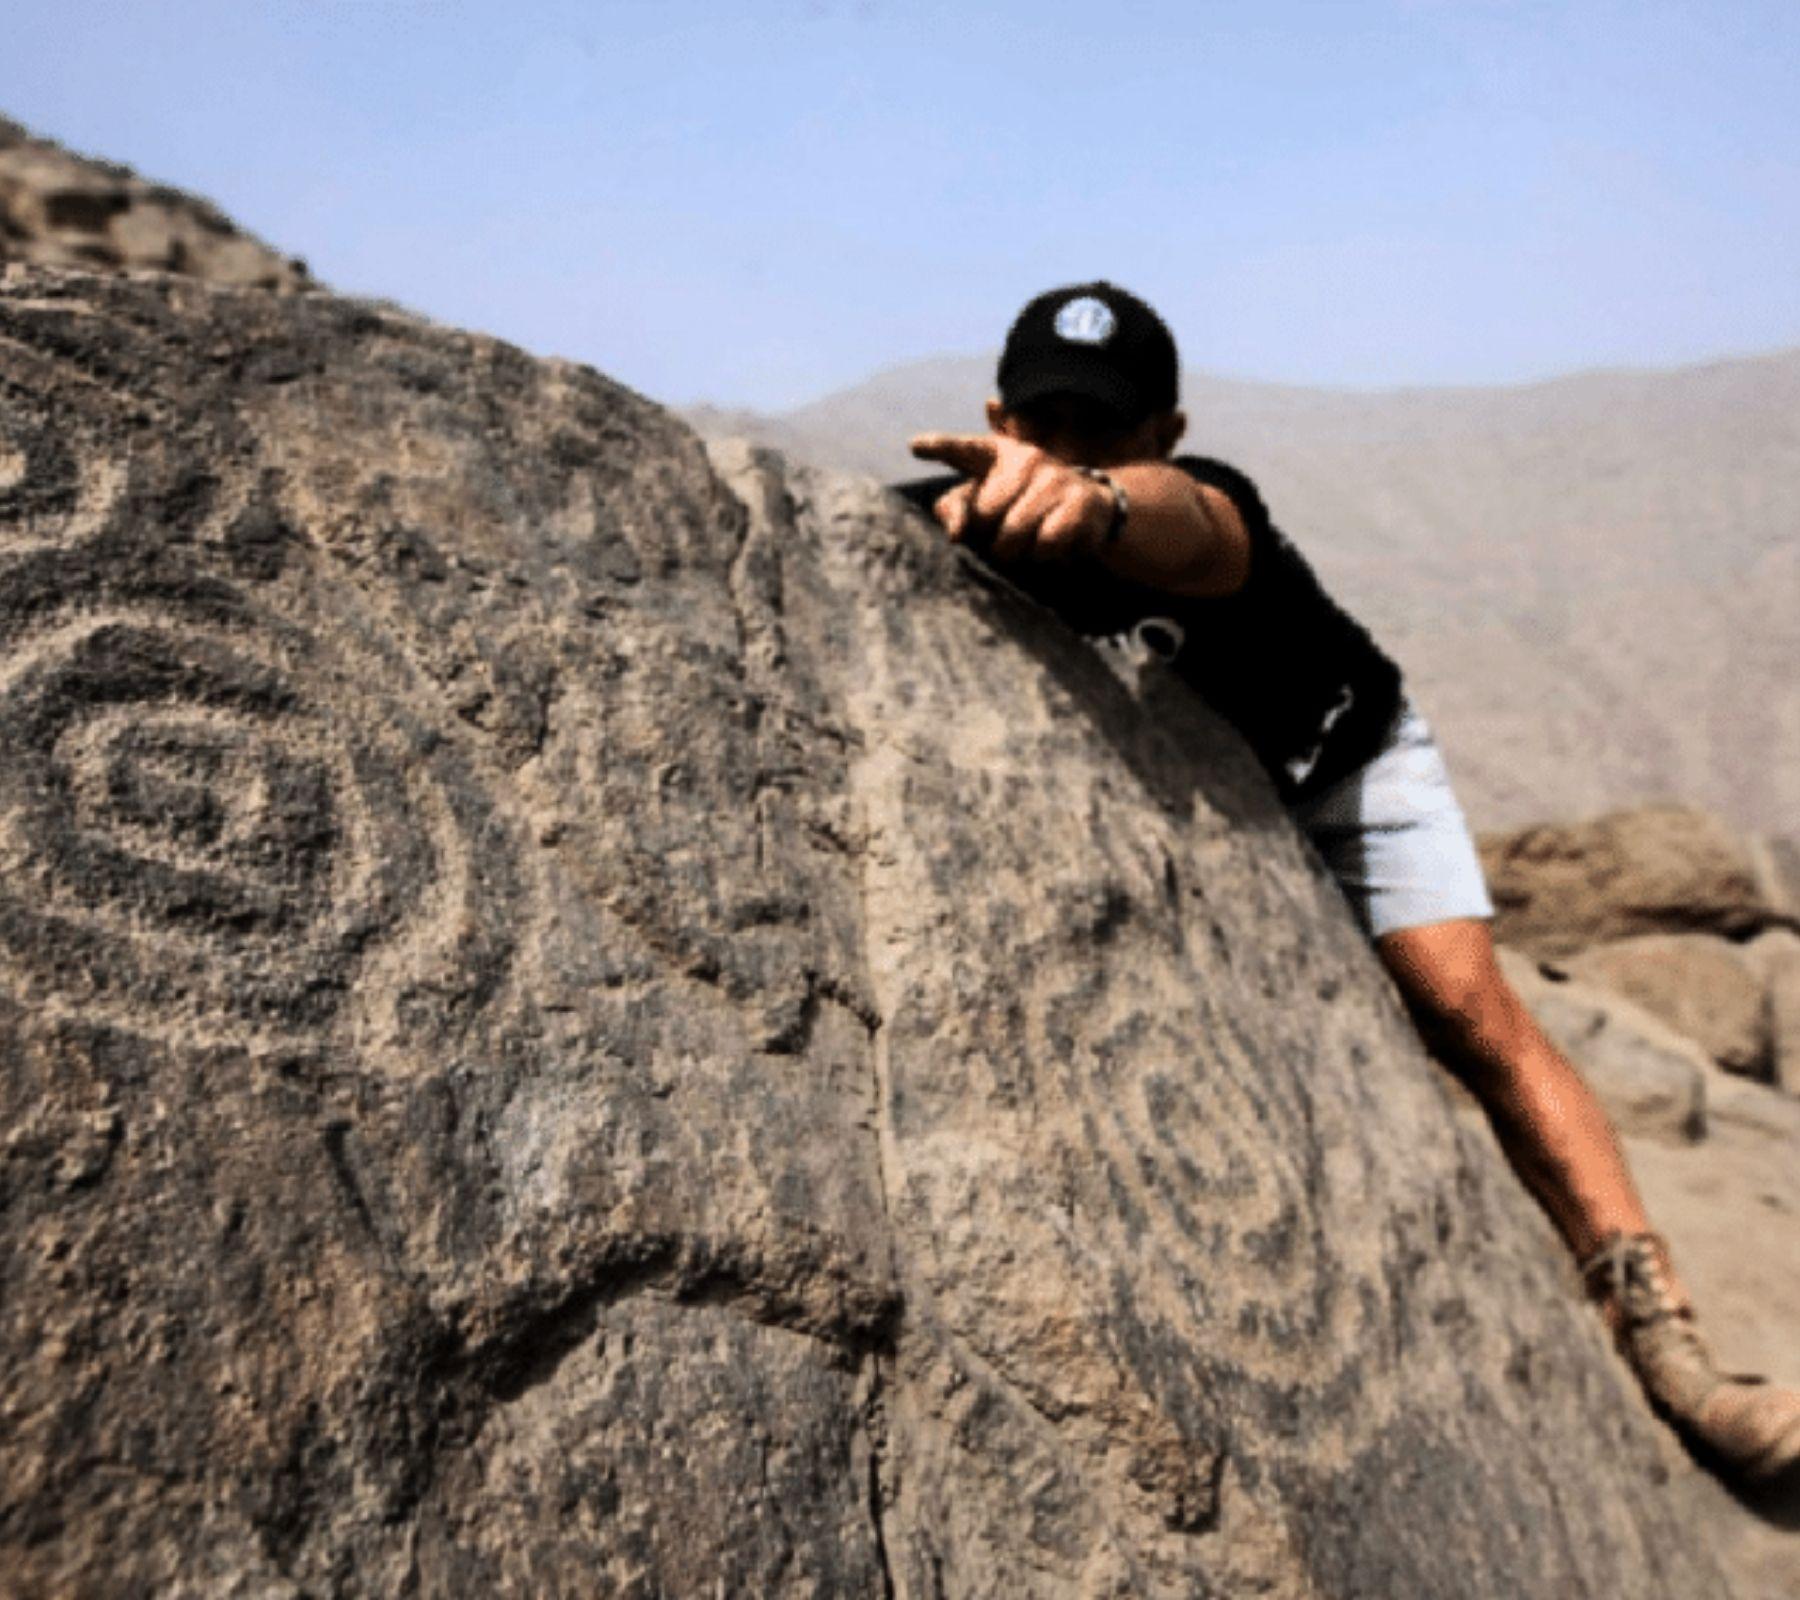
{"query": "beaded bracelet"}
(1121, 504)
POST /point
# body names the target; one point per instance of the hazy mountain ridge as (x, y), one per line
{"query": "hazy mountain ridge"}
(1593, 581)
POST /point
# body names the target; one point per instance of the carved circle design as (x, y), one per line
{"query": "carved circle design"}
(1171, 1137)
(1224, 1161)
(1209, 1153)
(202, 844)
(227, 812)
(68, 418)
(1230, 1222)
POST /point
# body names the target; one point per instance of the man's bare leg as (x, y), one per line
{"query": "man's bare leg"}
(1561, 1143)
(1555, 1133)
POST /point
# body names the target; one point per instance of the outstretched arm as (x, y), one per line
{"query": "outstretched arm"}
(1181, 537)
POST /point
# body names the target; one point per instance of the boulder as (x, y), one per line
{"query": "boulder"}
(573, 1022)
(1777, 860)
(1651, 1079)
(1696, 983)
(1775, 958)
(1653, 869)
(59, 209)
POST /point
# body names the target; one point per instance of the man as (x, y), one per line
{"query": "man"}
(1077, 493)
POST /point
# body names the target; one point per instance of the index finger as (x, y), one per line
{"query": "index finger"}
(971, 453)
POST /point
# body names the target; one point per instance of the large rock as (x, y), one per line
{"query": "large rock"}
(572, 1029)
(1700, 985)
(1654, 869)
(1777, 860)
(58, 209)
(1651, 1079)
(1774, 956)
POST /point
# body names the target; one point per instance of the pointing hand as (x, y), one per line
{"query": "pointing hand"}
(1035, 504)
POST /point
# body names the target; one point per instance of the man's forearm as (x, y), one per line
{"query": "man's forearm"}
(1178, 536)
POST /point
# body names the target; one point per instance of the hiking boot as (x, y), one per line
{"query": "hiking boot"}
(1746, 1425)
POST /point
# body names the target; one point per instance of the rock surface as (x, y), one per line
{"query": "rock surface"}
(1651, 1079)
(566, 1027)
(1775, 958)
(1700, 985)
(1714, 1157)
(1777, 861)
(1730, 1207)
(1723, 1185)
(1559, 887)
(59, 209)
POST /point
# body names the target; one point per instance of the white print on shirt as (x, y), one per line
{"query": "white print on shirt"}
(1162, 637)
(1299, 768)
(1149, 638)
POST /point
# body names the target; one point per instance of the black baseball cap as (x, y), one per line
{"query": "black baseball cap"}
(1096, 341)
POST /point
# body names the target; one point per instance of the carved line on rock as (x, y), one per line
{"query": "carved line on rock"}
(41, 418)
(41, 328)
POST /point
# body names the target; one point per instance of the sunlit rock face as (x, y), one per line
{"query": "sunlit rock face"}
(578, 1018)
(1561, 887)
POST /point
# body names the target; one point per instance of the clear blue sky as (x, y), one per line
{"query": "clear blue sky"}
(758, 201)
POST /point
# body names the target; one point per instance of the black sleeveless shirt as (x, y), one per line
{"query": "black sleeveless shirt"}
(1299, 678)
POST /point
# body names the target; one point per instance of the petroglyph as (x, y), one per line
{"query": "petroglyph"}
(224, 819)
(1099, 1044)
(204, 843)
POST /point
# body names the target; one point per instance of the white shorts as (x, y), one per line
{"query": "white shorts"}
(1393, 835)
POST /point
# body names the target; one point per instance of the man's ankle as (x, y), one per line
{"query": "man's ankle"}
(1633, 1281)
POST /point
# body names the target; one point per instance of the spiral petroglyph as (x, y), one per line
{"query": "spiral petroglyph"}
(198, 843)
(1221, 1166)
(216, 828)
(1161, 1132)
(1216, 1173)
(226, 816)
(1165, 1143)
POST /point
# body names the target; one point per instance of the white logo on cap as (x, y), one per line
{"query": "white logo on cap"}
(1086, 320)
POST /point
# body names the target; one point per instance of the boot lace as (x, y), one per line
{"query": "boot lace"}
(1633, 1271)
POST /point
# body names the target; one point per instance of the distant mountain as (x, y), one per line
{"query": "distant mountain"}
(1593, 582)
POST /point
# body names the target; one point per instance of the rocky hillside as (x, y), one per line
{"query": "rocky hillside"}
(582, 1019)
(61, 209)
(1591, 582)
